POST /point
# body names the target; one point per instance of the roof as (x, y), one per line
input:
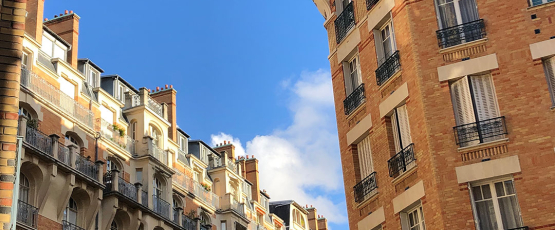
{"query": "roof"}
(118, 77)
(45, 28)
(183, 132)
(86, 60)
(208, 146)
(282, 210)
(289, 202)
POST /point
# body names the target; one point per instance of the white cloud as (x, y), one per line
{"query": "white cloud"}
(302, 161)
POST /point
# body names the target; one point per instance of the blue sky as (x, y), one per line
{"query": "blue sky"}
(254, 71)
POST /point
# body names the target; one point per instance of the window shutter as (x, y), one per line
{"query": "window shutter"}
(365, 157)
(404, 126)
(395, 127)
(549, 65)
(462, 102)
(347, 76)
(484, 97)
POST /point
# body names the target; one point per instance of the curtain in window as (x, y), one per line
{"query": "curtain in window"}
(484, 207)
(469, 10)
(508, 205)
(447, 15)
(365, 157)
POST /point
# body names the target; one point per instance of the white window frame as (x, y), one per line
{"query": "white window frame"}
(25, 60)
(391, 36)
(350, 82)
(420, 222)
(494, 198)
(549, 69)
(93, 79)
(379, 40)
(542, 2)
(458, 13)
(54, 42)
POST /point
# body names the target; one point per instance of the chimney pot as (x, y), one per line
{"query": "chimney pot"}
(166, 86)
(252, 156)
(61, 15)
(171, 86)
(55, 16)
(157, 88)
(71, 11)
(149, 90)
(247, 156)
(66, 12)
(45, 19)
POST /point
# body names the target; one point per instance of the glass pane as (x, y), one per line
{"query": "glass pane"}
(411, 220)
(499, 189)
(477, 192)
(510, 214)
(486, 215)
(447, 15)
(486, 191)
(509, 187)
(469, 10)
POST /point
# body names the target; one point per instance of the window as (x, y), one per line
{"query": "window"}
(365, 157)
(70, 213)
(121, 93)
(353, 78)
(158, 187)
(67, 87)
(52, 47)
(549, 66)
(24, 188)
(72, 140)
(139, 174)
(182, 143)
(456, 12)
(93, 76)
(401, 128)
(223, 225)
(25, 112)
(155, 134)
(384, 39)
(415, 218)
(341, 7)
(107, 114)
(134, 130)
(495, 205)
(539, 2)
(474, 102)
(24, 60)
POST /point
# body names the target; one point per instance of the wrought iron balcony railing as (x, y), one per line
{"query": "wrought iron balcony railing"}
(463, 33)
(56, 97)
(63, 154)
(39, 140)
(371, 3)
(365, 188)
(27, 214)
(176, 214)
(161, 206)
(344, 22)
(159, 154)
(69, 226)
(402, 161)
(480, 132)
(388, 68)
(127, 189)
(187, 223)
(354, 100)
(144, 198)
(85, 166)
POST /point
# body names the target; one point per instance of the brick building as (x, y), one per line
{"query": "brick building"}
(445, 112)
(99, 153)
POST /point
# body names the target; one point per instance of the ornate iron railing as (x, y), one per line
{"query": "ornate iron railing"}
(365, 188)
(520, 228)
(402, 161)
(480, 132)
(39, 140)
(182, 156)
(354, 100)
(389, 67)
(27, 214)
(161, 206)
(176, 213)
(127, 189)
(371, 3)
(63, 154)
(155, 106)
(344, 22)
(159, 154)
(86, 166)
(144, 198)
(69, 226)
(187, 223)
(466, 32)
(56, 97)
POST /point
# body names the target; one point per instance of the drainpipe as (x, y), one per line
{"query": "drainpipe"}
(96, 137)
(13, 217)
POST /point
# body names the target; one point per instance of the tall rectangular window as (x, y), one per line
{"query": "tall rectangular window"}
(495, 205)
(365, 157)
(401, 128)
(353, 78)
(549, 67)
(139, 175)
(93, 78)
(24, 60)
(384, 38)
(413, 218)
(456, 12)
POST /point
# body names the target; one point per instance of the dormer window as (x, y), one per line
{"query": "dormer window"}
(93, 76)
(52, 47)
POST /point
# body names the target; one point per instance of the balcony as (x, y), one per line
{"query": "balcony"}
(354, 100)
(182, 157)
(480, 132)
(371, 3)
(402, 161)
(55, 97)
(124, 188)
(125, 142)
(27, 214)
(156, 107)
(161, 206)
(344, 22)
(366, 188)
(39, 141)
(86, 166)
(460, 34)
(190, 185)
(388, 68)
(159, 154)
(69, 226)
(144, 198)
(187, 223)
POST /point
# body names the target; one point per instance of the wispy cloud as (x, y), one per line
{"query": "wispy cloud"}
(301, 162)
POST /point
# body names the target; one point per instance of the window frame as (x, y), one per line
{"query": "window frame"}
(351, 84)
(531, 2)
(55, 43)
(419, 210)
(549, 71)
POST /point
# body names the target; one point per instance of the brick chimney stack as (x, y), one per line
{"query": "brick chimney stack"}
(312, 218)
(322, 223)
(67, 27)
(33, 21)
(168, 95)
(227, 147)
(250, 170)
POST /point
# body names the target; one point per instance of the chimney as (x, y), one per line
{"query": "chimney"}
(67, 27)
(312, 218)
(250, 170)
(168, 97)
(33, 20)
(227, 147)
(322, 223)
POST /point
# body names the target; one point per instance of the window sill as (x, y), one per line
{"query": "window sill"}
(483, 145)
(540, 6)
(352, 114)
(405, 174)
(462, 46)
(347, 36)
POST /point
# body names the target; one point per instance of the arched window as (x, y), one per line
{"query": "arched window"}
(114, 225)
(158, 187)
(70, 213)
(73, 140)
(25, 112)
(134, 130)
(24, 187)
(156, 135)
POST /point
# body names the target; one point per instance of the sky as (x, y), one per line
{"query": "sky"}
(254, 72)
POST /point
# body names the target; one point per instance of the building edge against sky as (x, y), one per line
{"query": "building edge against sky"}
(445, 112)
(99, 153)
